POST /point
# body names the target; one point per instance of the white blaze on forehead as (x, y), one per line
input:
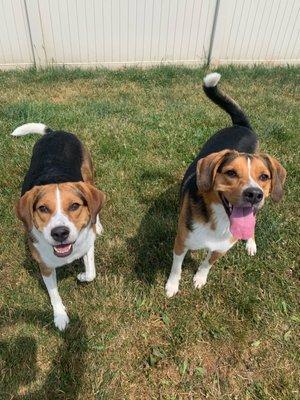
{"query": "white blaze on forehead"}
(58, 206)
(59, 218)
(251, 181)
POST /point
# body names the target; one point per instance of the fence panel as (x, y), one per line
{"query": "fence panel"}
(15, 48)
(127, 32)
(255, 31)
(115, 33)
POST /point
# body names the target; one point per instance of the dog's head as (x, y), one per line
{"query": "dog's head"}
(243, 181)
(60, 212)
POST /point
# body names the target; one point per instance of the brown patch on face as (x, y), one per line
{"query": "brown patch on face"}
(207, 168)
(44, 206)
(261, 175)
(26, 208)
(277, 175)
(74, 205)
(232, 178)
(93, 197)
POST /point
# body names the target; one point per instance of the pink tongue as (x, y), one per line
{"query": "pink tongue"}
(242, 222)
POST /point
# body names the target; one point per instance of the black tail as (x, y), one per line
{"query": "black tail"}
(225, 102)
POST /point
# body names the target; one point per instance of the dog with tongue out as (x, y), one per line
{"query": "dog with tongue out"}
(222, 191)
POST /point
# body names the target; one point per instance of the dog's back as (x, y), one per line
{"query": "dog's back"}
(56, 158)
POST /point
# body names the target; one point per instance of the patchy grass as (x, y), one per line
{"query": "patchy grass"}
(236, 338)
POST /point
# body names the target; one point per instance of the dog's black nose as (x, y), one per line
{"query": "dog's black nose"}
(253, 195)
(60, 233)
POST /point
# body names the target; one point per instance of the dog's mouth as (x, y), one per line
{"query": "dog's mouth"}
(242, 219)
(63, 250)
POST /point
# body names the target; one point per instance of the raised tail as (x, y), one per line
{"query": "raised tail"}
(25, 129)
(224, 101)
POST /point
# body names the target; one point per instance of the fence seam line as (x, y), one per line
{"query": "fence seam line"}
(213, 31)
(30, 34)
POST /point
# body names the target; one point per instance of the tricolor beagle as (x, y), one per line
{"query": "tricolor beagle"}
(59, 207)
(222, 190)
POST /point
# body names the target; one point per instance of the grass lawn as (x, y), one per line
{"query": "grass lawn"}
(234, 339)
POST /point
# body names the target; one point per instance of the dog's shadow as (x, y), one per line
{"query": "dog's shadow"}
(153, 243)
(19, 358)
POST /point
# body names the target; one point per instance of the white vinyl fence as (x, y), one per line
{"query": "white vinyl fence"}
(116, 33)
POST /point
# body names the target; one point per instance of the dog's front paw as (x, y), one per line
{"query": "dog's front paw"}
(171, 287)
(199, 280)
(251, 247)
(83, 277)
(61, 320)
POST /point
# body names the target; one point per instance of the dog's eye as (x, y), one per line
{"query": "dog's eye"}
(264, 177)
(74, 207)
(231, 173)
(44, 209)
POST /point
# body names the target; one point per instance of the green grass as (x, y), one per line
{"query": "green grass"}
(234, 339)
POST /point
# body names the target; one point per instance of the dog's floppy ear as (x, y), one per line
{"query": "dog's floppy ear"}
(278, 175)
(24, 207)
(95, 198)
(207, 168)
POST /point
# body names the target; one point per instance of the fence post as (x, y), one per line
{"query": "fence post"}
(30, 35)
(213, 31)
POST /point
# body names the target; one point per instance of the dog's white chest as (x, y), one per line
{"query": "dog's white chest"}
(82, 245)
(218, 239)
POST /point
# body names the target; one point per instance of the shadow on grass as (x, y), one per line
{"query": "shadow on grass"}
(153, 244)
(19, 359)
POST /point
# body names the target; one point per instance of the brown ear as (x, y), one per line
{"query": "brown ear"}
(207, 168)
(95, 199)
(278, 175)
(24, 207)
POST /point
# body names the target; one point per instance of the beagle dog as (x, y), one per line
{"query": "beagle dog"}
(222, 190)
(59, 207)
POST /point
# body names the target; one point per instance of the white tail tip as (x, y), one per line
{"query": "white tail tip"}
(211, 80)
(30, 128)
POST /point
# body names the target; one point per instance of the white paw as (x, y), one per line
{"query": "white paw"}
(199, 280)
(251, 247)
(99, 227)
(171, 287)
(61, 320)
(83, 277)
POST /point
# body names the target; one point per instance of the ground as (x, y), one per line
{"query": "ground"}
(234, 339)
